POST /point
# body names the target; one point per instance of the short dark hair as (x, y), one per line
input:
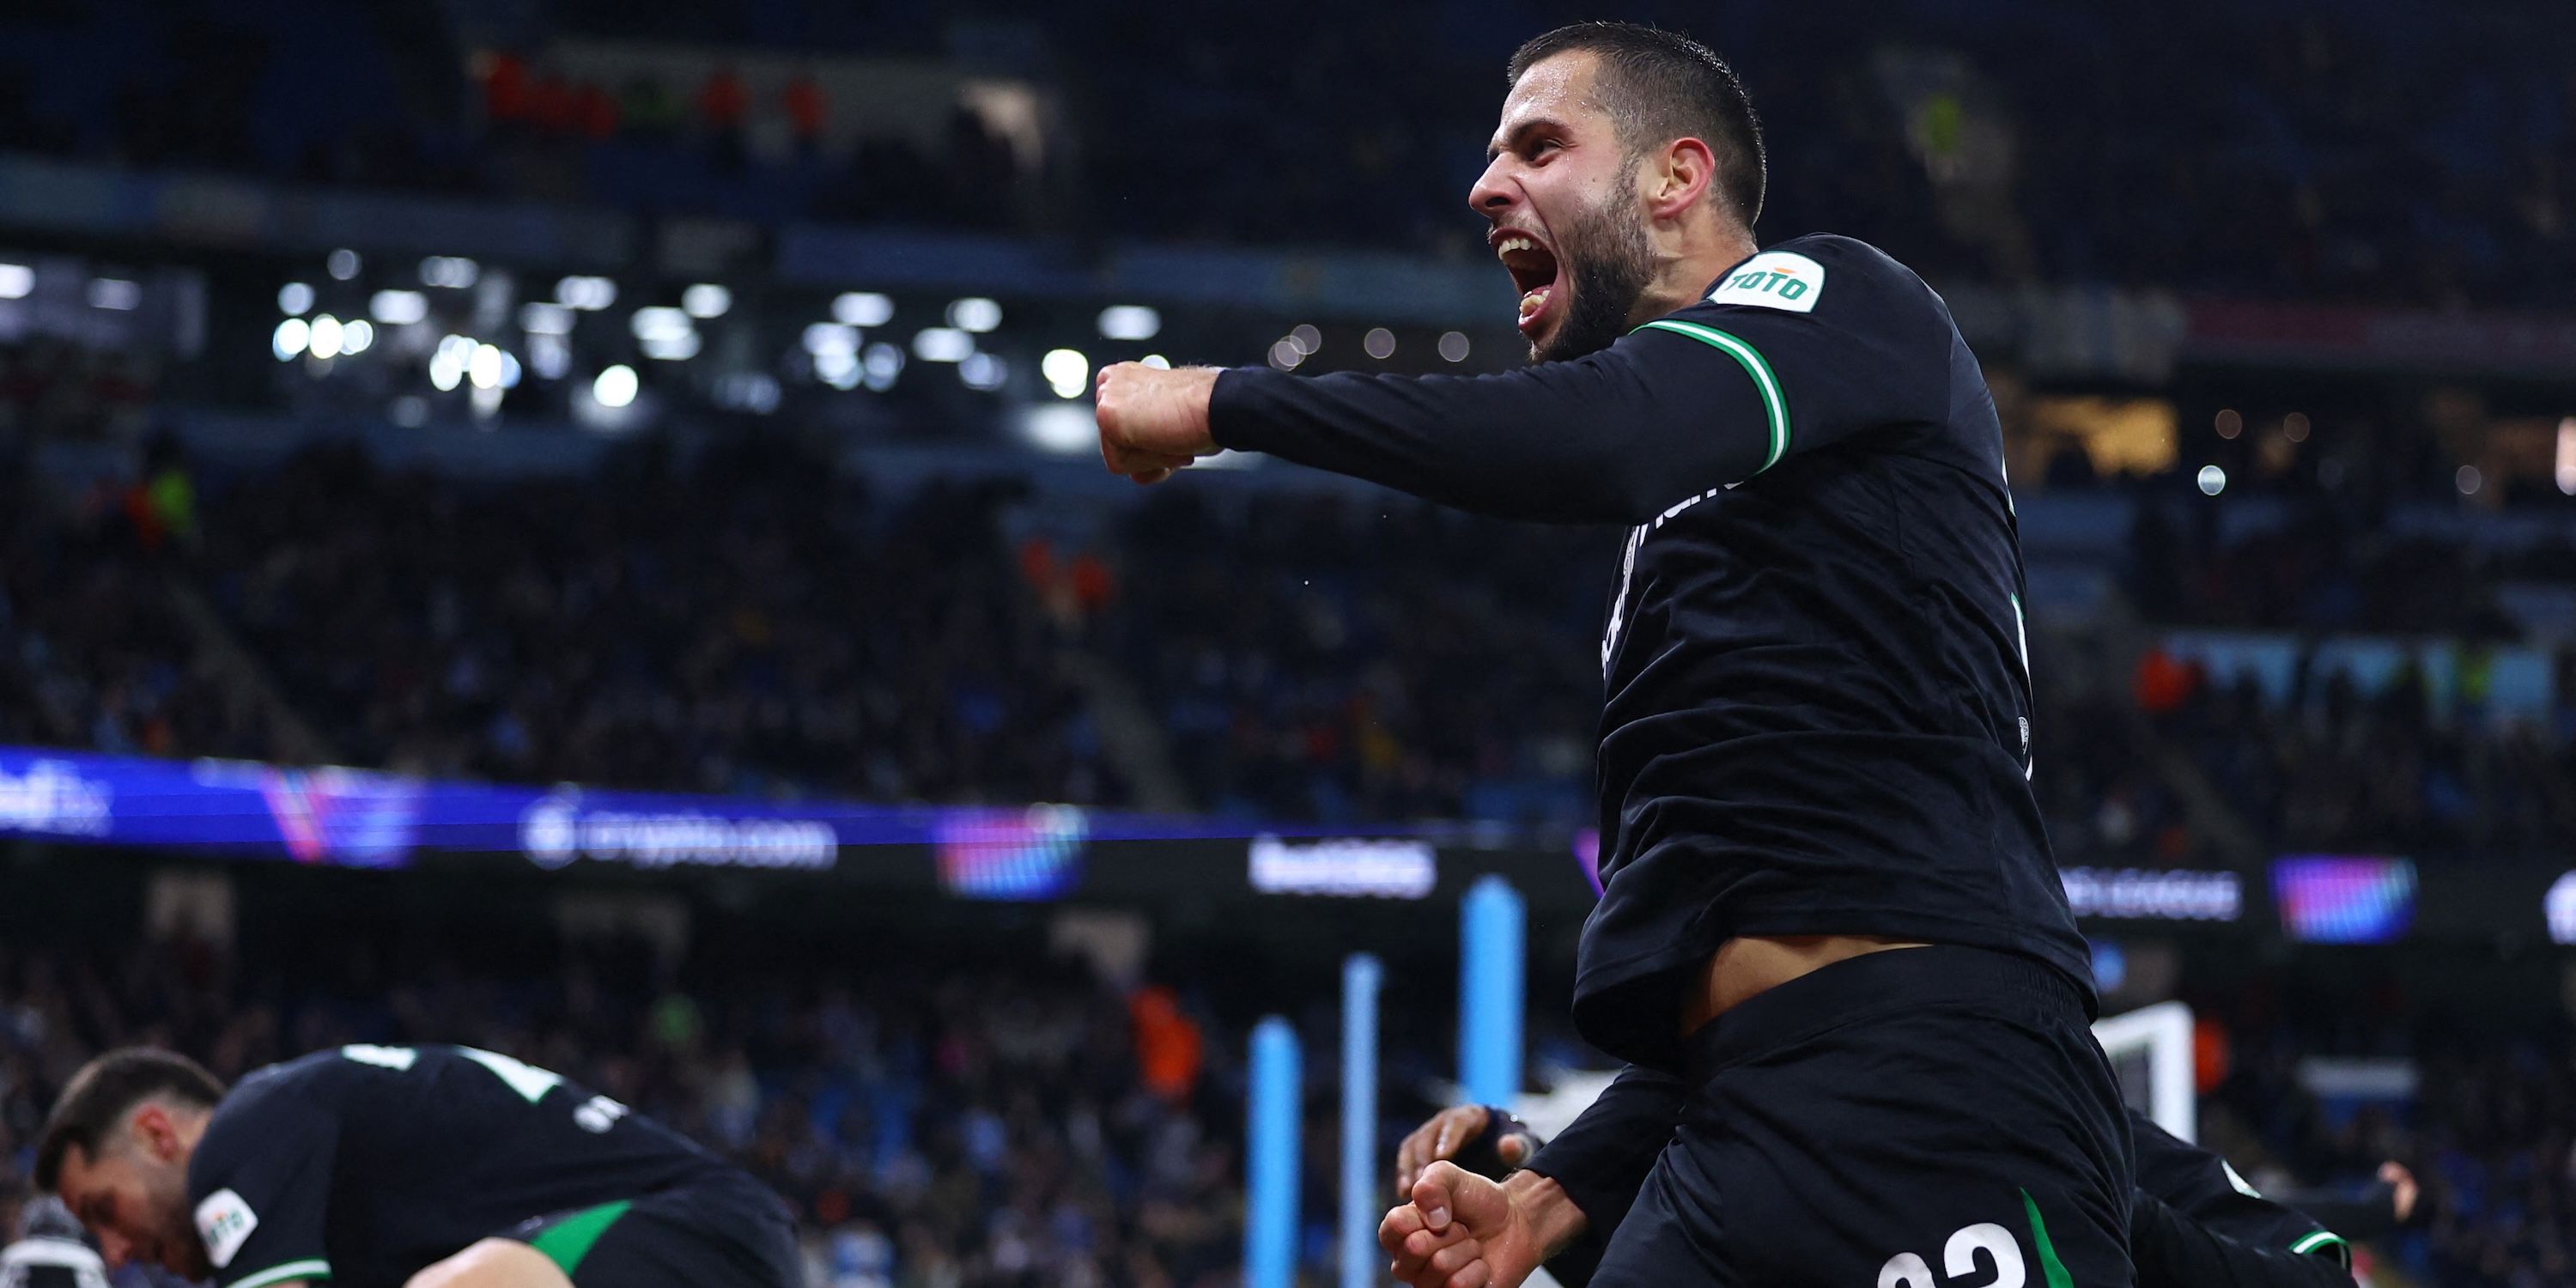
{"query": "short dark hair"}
(1660, 86)
(105, 1091)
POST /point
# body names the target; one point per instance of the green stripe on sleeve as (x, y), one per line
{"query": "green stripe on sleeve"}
(2327, 1239)
(313, 1269)
(569, 1240)
(1775, 402)
(2050, 1268)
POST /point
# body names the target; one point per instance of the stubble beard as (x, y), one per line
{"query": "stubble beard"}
(1608, 264)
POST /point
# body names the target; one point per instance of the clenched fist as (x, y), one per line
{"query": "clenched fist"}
(1153, 421)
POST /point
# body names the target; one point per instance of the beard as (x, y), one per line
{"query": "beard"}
(1607, 264)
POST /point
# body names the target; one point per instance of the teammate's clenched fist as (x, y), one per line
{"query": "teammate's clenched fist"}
(1152, 420)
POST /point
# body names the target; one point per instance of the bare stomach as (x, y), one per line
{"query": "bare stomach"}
(1752, 964)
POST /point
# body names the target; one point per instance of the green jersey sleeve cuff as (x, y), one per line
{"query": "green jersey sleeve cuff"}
(315, 1268)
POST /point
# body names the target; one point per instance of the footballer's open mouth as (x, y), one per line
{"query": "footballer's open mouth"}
(1534, 271)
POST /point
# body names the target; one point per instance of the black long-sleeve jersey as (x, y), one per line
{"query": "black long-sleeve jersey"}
(1817, 711)
(363, 1165)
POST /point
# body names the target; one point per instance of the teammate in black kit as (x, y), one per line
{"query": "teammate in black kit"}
(400, 1167)
(1829, 902)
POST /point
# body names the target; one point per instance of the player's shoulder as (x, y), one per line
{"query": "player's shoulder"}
(1827, 277)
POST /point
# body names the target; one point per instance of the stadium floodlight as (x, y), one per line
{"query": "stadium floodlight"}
(942, 344)
(115, 294)
(1285, 355)
(671, 348)
(1158, 362)
(1067, 372)
(862, 309)
(838, 368)
(324, 339)
(831, 337)
(983, 371)
(398, 308)
(1453, 346)
(342, 265)
(974, 314)
(615, 386)
(706, 300)
(550, 355)
(484, 367)
(1130, 322)
(1306, 337)
(1059, 430)
(881, 364)
(453, 271)
(446, 369)
(660, 322)
(539, 318)
(16, 281)
(1379, 343)
(293, 335)
(293, 299)
(2213, 480)
(590, 294)
(357, 335)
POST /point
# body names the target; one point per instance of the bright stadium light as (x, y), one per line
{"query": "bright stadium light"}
(1130, 322)
(1067, 372)
(942, 344)
(660, 323)
(975, 314)
(293, 335)
(983, 371)
(1306, 338)
(452, 271)
(342, 265)
(862, 308)
(673, 348)
(706, 300)
(446, 370)
(295, 298)
(1285, 355)
(1379, 343)
(115, 293)
(398, 308)
(1453, 345)
(324, 341)
(838, 368)
(831, 337)
(16, 280)
(1158, 362)
(615, 386)
(484, 367)
(538, 318)
(357, 335)
(1058, 429)
(590, 294)
(2213, 480)
(881, 364)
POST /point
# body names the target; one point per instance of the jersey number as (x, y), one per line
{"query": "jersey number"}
(1959, 1258)
(530, 1082)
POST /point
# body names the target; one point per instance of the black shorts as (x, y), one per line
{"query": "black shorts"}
(1918, 1118)
(727, 1231)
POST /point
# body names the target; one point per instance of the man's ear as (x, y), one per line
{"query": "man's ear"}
(1679, 176)
(156, 1131)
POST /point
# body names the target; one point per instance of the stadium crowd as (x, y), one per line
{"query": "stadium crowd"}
(753, 623)
(2349, 169)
